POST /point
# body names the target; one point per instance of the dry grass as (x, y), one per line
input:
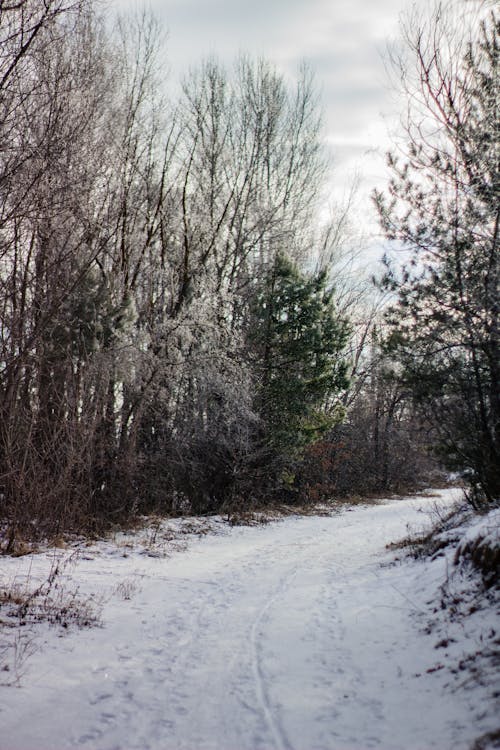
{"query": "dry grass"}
(127, 588)
(50, 601)
(484, 555)
(15, 651)
(440, 534)
(258, 516)
(25, 604)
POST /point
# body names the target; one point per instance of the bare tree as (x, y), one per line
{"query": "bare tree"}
(51, 235)
(132, 238)
(249, 165)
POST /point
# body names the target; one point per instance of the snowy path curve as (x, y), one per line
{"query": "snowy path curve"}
(292, 636)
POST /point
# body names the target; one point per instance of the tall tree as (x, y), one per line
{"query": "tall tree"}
(443, 205)
(248, 164)
(300, 341)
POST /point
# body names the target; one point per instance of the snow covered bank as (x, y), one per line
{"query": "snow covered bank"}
(481, 545)
(300, 635)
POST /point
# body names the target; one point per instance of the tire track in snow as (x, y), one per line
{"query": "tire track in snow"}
(280, 738)
(287, 637)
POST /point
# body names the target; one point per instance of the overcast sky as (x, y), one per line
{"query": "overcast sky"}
(344, 41)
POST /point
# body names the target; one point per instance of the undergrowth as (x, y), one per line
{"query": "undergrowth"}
(24, 604)
(442, 532)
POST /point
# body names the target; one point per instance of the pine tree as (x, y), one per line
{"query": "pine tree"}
(443, 205)
(300, 340)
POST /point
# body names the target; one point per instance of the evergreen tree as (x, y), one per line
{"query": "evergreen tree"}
(443, 205)
(300, 340)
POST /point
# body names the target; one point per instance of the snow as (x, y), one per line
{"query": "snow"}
(484, 529)
(303, 634)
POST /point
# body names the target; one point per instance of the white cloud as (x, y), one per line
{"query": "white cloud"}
(344, 41)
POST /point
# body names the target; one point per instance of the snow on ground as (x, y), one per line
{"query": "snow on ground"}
(299, 635)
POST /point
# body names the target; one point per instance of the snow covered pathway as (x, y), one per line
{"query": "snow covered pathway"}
(291, 636)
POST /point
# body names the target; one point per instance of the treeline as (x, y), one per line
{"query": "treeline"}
(173, 337)
(443, 206)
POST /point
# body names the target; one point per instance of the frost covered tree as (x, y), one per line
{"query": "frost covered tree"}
(135, 235)
(53, 97)
(248, 165)
(80, 209)
(442, 205)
